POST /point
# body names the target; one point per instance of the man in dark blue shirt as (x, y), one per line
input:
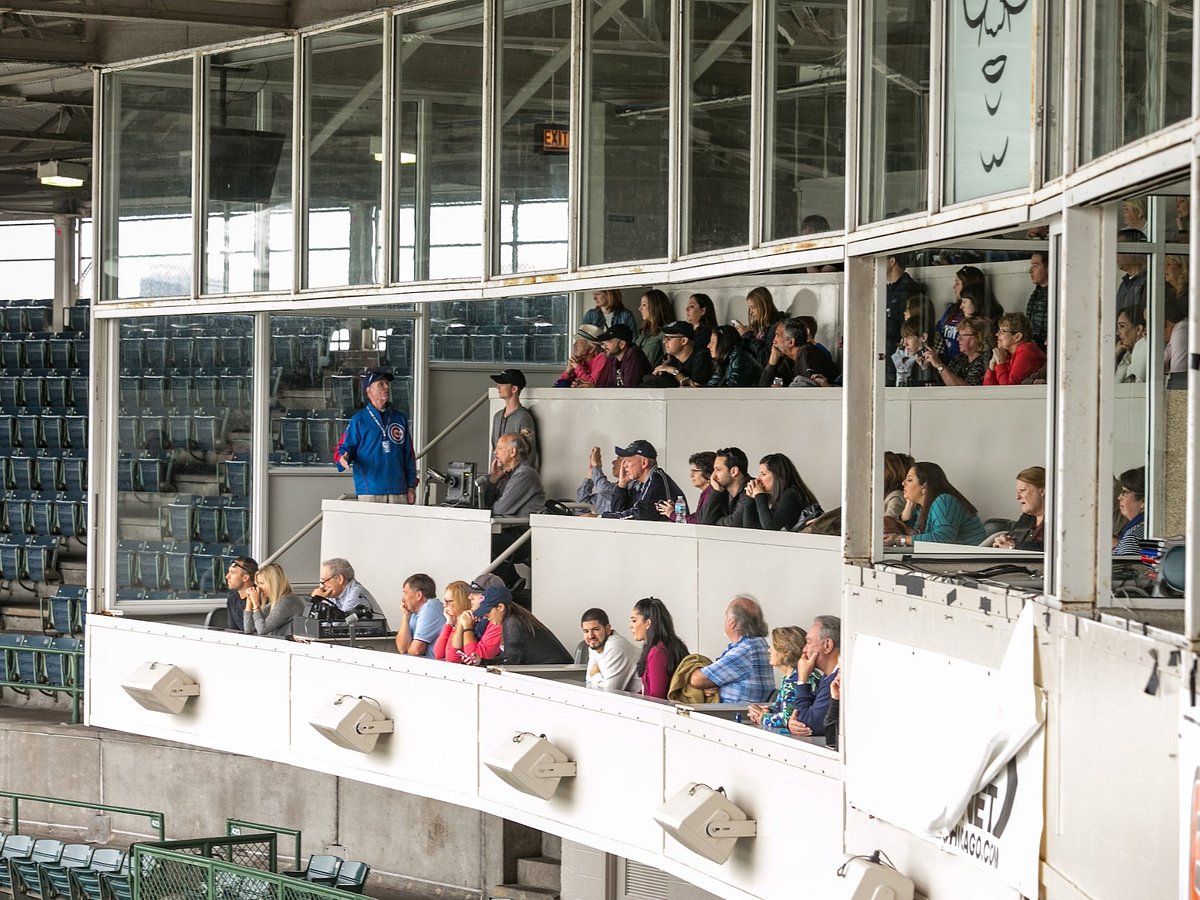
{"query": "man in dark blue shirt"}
(822, 651)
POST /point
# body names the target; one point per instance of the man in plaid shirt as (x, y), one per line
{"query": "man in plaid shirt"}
(743, 672)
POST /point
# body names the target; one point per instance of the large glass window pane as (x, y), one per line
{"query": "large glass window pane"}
(316, 378)
(895, 118)
(1150, 396)
(249, 169)
(628, 84)
(27, 261)
(718, 126)
(535, 94)
(1054, 44)
(439, 146)
(989, 99)
(513, 331)
(148, 182)
(806, 190)
(344, 101)
(183, 466)
(1137, 71)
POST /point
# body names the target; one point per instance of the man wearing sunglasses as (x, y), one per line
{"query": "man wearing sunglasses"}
(238, 578)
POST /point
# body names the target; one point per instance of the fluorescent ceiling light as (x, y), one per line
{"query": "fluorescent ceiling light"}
(62, 174)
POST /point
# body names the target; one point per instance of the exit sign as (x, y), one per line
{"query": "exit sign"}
(556, 139)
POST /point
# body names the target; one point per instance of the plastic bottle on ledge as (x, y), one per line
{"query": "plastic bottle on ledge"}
(680, 510)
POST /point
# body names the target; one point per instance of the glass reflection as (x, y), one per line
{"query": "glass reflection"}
(1137, 71)
(717, 142)
(344, 102)
(895, 119)
(439, 144)
(808, 151)
(249, 170)
(629, 79)
(148, 191)
(534, 111)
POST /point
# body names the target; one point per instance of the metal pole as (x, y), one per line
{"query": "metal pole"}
(513, 548)
(449, 428)
(287, 545)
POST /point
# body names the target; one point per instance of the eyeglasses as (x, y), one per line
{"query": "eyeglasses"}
(1005, 331)
(694, 471)
(1126, 492)
(329, 578)
(963, 334)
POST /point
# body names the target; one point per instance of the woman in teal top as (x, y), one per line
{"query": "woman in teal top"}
(934, 510)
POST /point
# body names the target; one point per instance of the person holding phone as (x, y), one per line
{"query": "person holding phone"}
(271, 604)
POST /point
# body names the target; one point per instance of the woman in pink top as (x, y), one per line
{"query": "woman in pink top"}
(1016, 358)
(662, 650)
(457, 601)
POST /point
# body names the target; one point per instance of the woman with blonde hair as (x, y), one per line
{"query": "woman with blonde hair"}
(456, 599)
(787, 645)
(271, 605)
(759, 331)
(1027, 533)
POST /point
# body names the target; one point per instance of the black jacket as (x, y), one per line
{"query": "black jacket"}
(739, 369)
(640, 501)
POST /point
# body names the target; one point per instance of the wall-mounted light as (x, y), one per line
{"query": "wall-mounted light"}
(354, 723)
(705, 821)
(875, 878)
(531, 764)
(62, 174)
(161, 687)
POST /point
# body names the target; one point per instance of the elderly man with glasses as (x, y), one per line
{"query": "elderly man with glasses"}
(338, 588)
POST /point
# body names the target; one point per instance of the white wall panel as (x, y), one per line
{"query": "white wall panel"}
(386, 543)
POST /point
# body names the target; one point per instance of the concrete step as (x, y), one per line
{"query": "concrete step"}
(521, 892)
(74, 571)
(551, 845)
(540, 871)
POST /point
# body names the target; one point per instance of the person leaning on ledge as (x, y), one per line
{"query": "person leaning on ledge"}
(743, 672)
(642, 486)
(424, 615)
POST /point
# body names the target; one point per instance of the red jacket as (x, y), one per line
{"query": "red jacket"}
(1025, 360)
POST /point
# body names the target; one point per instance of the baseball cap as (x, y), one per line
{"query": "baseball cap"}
(681, 329)
(374, 375)
(510, 376)
(639, 448)
(618, 331)
(493, 597)
(485, 581)
(590, 332)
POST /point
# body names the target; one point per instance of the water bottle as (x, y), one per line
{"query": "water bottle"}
(776, 381)
(680, 510)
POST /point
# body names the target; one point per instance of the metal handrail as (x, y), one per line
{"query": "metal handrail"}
(232, 827)
(512, 548)
(156, 818)
(316, 520)
(147, 879)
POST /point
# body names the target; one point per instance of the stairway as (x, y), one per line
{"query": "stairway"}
(538, 877)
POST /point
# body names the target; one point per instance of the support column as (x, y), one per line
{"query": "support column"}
(66, 263)
(862, 443)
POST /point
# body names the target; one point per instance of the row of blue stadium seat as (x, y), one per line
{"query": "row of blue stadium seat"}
(544, 349)
(173, 429)
(186, 352)
(65, 611)
(174, 565)
(315, 433)
(45, 389)
(29, 558)
(202, 390)
(25, 662)
(26, 318)
(508, 309)
(210, 520)
(44, 473)
(149, 473)
(33, 351)
(45, 513)
(52, 430)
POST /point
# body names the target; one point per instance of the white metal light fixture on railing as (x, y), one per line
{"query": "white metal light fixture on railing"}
(161, 687)
(56, 173)
(705, 821)
(531, 764)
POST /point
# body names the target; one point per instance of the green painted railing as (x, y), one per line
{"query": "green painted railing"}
(72, 661)
(235, 826)
(160, 873)
(156, 819)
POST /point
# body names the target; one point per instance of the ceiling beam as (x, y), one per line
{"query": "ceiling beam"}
(192, 12)
(38, 75)
(42, 137)
(50, 51)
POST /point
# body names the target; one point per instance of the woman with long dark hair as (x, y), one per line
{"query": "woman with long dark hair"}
(733, 364)
(702, 316)
(934, 510)
(655, 307)
(662, 650)
(514, 636)
(780, 496)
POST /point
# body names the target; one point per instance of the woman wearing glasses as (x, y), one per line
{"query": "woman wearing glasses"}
(700, 469)
(1132, 501)
(970, 364)
(1016, 358)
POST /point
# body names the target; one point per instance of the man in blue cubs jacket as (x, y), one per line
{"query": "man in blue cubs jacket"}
(378, 447)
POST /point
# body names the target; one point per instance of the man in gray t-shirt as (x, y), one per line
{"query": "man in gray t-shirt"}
(514, 418)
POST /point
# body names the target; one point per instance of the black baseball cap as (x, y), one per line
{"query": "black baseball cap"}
(510, 376)
(681, 329)
(619, 332)
(638, 448)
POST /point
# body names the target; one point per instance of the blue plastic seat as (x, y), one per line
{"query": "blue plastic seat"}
(77, 431)
(156, 352)
(74, 473)
(9, 644)
(237, 524)
(181, 431)
(234, 476)
(293, 435)
(12, 354)
(156, 391)
(31, 663)
(125, 564)
(41, 565)
(29, 427)
(11, 393)
(22, 473)
(79, 316)
(208, 430)
(207, 351)
(152, 474)
(345, 390)
(49, 473)
(80, 391)
(8, 432)
(181, 571)
(37, 318)
(54, 432)
(234, 391)
(206, 390)
(62, 352)
(129, 433)
(181, 352)
(34, 389)
(17, 513)
(154, 431)
(12, 562)
(70, 514)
